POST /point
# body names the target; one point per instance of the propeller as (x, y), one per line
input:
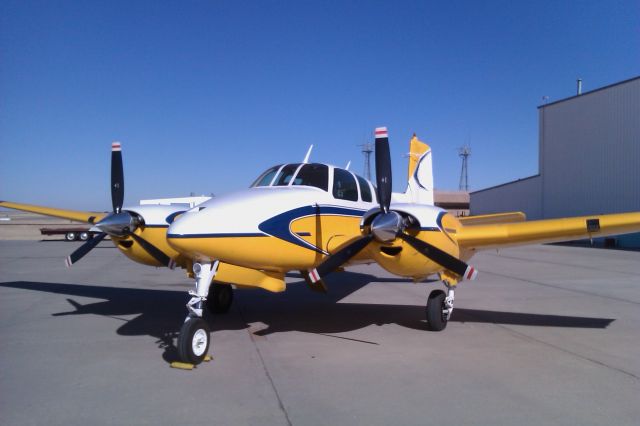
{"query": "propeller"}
(387, 225)
(119, 223)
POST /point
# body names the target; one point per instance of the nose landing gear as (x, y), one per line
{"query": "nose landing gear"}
(194, 338)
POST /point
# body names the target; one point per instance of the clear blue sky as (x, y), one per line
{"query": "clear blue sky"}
(204, 95)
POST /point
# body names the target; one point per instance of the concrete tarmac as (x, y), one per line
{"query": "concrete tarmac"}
(546, 335)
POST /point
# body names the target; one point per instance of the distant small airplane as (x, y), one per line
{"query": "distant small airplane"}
(316, 218)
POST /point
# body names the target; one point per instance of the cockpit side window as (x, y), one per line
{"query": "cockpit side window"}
(266, 178)
(365, 190)
(285, 175)
(344, 185)
(313, 175)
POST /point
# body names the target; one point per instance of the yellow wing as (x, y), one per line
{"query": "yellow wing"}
(546, 231)
(486, 219)
(87, 217)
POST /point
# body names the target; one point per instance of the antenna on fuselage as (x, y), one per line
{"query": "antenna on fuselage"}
(348, 165)
(306, 157)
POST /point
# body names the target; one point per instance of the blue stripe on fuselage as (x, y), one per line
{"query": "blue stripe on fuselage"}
(279, 226)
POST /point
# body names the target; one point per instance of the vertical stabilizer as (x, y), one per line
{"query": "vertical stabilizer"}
(420, 176)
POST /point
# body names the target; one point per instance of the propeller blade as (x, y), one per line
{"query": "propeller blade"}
(383, 168)
(339, 258)
(441, 257)
(117, 177)
(154, 251)
(84, 249)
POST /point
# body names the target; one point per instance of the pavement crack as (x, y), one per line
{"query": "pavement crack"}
(264, 368)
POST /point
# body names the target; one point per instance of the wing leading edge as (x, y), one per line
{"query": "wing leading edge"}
(546, 231)
(78, 216)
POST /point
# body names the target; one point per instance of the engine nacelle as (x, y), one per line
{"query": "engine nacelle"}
(428, 223)
(153, 222)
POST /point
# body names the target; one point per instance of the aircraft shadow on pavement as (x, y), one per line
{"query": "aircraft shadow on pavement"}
(160, 313)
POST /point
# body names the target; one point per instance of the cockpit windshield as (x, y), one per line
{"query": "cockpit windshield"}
(266, 178)
(313, 174)
(286, 174)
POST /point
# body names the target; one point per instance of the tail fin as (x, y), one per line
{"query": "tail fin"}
(420, 176)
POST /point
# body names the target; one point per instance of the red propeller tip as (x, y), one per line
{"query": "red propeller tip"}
(116, 146)
(314, 276)
(381, 132)
(471, 273)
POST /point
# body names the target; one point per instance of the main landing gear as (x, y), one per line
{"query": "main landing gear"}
(194, 339)
(220, 298)
(439, 308)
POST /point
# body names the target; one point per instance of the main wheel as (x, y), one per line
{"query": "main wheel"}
(193, 342)
(436, 318)
(84, 236)
(70, 236)
(220, 298)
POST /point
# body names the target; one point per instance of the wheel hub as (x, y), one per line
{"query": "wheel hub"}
(199, 342)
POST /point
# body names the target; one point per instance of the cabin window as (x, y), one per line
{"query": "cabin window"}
(344, 185)
(365, 190)
(266, 178)
(313, 175)
(285, 175)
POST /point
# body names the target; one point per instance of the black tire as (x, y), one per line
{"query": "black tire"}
(220, 298)
(84, 236)
(436, 319)
(194, 334)
(70, 236)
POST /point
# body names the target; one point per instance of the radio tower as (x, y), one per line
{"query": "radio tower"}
(464, 153)
(367, 149)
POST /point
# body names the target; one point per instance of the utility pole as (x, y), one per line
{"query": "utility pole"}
(464, 153)
(367, 149)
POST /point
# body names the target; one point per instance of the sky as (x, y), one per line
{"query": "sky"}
(205, 95)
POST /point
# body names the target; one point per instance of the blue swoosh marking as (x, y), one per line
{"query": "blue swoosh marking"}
(172, 216)
(279, 225)
(415, 173)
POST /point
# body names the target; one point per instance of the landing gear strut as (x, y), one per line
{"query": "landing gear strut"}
(194, 338)
(439, 308)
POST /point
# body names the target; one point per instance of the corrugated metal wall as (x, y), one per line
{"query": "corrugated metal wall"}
(523, 196)
(589, 159)
(590, 153)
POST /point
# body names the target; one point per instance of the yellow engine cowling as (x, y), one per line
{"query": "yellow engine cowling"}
(135, 252)
(402, 259)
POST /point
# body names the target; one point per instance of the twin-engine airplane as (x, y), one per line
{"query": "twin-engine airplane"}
(316, 218)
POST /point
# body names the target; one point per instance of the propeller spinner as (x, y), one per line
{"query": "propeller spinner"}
(118, 223)
(388, 225)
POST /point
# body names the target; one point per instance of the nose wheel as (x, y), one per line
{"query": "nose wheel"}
(193, 343)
